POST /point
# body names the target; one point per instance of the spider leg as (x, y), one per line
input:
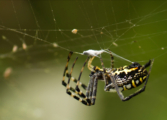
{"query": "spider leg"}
(137, 92)
(108, 87)
(88, 88)
(69, 78)
(78, 82)
(94, 90)
(67, 74)
(66, 68)
(81, 97)
(75, 81)
(85, 100)
(112, 59)
(117, 88)
(91, 87)
(104, 72)
(104, 76)
(90, 66)
(77, 91)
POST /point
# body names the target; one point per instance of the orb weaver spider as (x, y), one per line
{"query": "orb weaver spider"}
(115, 79)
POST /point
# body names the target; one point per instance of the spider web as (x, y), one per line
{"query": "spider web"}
(47, 28)
(34, 32)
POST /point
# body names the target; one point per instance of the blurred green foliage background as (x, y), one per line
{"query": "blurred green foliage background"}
(33, 90)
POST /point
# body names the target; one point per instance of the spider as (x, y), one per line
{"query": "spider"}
(115, 79)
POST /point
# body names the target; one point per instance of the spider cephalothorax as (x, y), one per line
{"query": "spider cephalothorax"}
(116, 79)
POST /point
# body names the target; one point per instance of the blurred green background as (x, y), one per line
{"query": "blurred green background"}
(32, 90)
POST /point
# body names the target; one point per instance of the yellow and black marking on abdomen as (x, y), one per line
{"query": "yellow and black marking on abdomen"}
(134, 83)
(130, 78)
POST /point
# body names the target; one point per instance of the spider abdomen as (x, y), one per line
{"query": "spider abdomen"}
(134, 83)
(130, 77)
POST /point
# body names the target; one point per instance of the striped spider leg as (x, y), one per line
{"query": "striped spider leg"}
(107, 82)
(68, 75)
(112, 59)
(87, 99)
